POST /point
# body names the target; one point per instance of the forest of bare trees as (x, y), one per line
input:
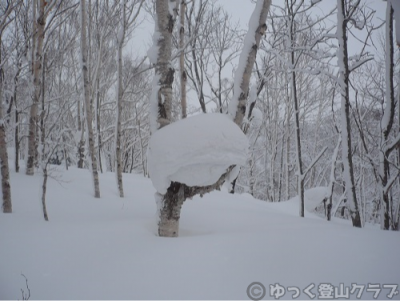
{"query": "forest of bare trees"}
(76, 91)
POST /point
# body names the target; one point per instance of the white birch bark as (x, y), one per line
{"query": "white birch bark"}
(169, 205)
(257, 28)
(5, 173)
(38, 37)
(87, 106)
(161, 95)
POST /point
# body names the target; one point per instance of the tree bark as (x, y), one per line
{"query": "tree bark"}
(237, 107)
(386, 125)
(5, 173)
(182, 58)
(39, 26)
(87, 103)
(347, 157)
(118, 169)
(161, 103)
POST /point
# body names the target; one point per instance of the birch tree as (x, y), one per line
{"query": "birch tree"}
(39, 25)
(127, 20)
(257, 28)
(5, 177)
(87, 102)
(161, 97)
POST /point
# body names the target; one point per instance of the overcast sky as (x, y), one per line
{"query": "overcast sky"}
(241, 11)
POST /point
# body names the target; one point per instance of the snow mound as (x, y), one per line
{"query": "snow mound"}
(312, 198)
(195, 151)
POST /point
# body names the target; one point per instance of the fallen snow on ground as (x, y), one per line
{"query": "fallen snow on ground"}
(312, 198)
(195, 151)
(108, 248)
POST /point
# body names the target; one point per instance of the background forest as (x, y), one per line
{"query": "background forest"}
(75, 88)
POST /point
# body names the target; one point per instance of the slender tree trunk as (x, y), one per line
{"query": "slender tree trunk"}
(118, 132)
(300, 176)
(332, 179)
(182, 58)
(98, 124)
(87, 103)
(347, 157)
(237, 107)
(39, 25)
(16, 139)
(16, 127)
(5, 173)
(387, 124)
(44, 189)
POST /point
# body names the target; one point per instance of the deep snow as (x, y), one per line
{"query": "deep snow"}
(108, 248)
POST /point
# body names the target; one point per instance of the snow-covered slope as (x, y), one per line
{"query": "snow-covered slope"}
(108, 249)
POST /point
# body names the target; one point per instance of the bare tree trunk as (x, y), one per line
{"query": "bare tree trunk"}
(44, 159)
(161, 102)
(44, 189)
(237, 107)
(347, 157)
(182, 58)
(161, 98)
(118, 133)
(87, 103)
(170, 211)
(98, 123)
(332, 179)
(300, 176)
(39, 25)
(16, 114)
(386, 125)
(5, 173)
(16, 139)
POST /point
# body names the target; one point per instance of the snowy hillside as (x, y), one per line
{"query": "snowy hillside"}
(108, 249)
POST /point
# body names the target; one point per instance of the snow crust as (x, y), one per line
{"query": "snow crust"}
(195, 151)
